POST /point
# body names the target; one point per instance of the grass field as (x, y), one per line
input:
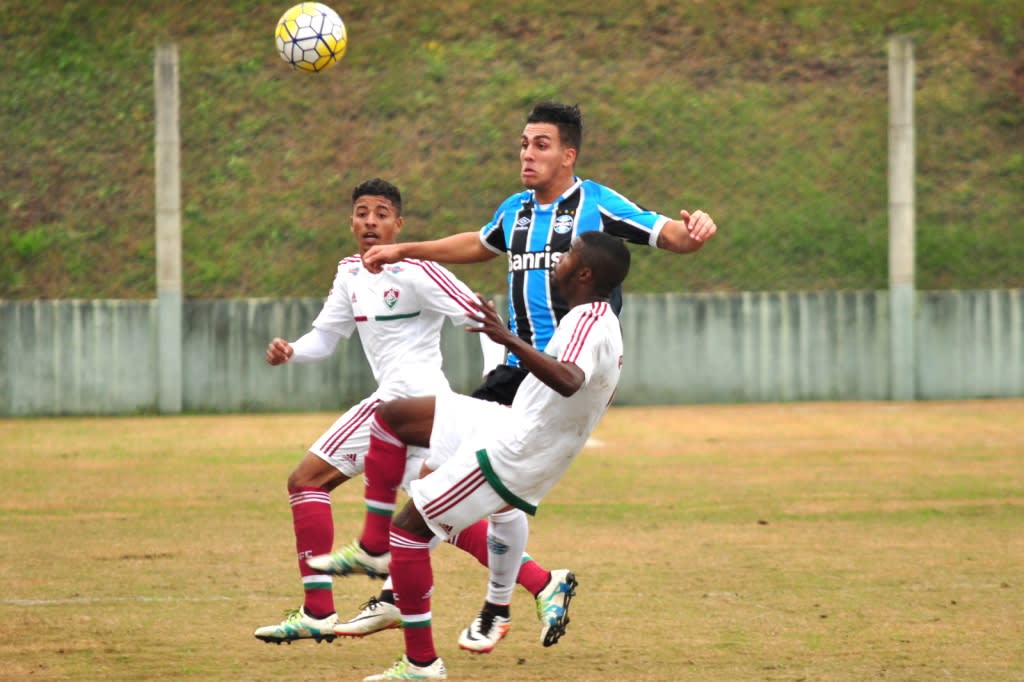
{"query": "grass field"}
(853, 541)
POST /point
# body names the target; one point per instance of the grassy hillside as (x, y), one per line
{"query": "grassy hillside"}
(771, 115)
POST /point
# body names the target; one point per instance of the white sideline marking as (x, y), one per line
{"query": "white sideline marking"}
(103, 600)
(594, 443)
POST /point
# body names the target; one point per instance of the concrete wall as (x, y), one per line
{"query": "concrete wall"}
(100, 357)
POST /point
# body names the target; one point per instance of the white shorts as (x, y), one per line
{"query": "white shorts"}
(345, 444)
(459, 418)
(456, 495)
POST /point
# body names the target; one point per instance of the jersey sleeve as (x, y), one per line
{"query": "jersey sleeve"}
(492, 235)
(443, 292)
(627, 220)
(336, 316)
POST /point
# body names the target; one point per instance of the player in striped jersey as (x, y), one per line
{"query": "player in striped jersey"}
(534, 227)
(489, 459)
(398, 315)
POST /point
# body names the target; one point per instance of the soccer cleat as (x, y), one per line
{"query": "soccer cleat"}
(553, 605)
(376, 616)
(404, 670)
(484, 633)
(351, 559)
(298, 625)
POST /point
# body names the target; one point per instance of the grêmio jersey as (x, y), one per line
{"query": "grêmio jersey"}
(534, 236)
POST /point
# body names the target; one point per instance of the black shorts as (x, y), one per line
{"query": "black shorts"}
(500, 384)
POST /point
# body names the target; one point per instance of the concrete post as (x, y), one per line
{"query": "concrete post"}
(168, 231)
(902, 295)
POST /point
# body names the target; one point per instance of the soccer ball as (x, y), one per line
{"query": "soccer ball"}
(311, 36)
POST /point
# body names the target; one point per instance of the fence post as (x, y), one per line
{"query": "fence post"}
(168, 231)
(902, 295)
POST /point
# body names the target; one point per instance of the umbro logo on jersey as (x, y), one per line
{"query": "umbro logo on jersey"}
(522, 223)
(391, 297)
(563, 224)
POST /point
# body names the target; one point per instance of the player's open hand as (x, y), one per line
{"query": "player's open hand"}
(279, 352)
(489, 322)
(379, 255)
(699, 225)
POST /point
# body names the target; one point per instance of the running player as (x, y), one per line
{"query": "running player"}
(398, 314)
(489, 458)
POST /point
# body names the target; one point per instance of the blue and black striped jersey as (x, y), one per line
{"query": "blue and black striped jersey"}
(534, 237)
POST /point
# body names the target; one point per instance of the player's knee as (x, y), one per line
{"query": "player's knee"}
(313, 472)
(409, 519)
(297, 479)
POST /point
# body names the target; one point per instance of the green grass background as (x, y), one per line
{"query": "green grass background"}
(771, 115)
(843, 542)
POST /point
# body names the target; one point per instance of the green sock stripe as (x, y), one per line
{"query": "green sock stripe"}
(409, 624)
(316, 585)
(381, 511)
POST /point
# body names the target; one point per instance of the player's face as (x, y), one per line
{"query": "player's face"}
(564, 272)
(374, 221)
(545, 165)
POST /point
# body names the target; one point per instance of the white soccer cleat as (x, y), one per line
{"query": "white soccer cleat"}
(484, 633)
(351, 558)
(376, 616)
(298, 625)
(404, 670)
(553, 605)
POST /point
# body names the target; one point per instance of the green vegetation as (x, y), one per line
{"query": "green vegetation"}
(771, 115)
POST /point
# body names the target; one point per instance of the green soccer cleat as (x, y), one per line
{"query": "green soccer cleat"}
(298, 625)
(351, 559)
(553, 605)
(404, 670)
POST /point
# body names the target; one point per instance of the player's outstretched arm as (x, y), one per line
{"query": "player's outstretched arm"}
(688, 234)
(464, 247)
(565, 377)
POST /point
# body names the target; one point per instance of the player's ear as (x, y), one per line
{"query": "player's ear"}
(399, 221)
(569, 157)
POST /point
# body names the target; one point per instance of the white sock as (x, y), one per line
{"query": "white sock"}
(507, 533)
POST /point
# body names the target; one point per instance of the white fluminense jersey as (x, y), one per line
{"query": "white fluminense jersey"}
(546, 430)
(399, 313)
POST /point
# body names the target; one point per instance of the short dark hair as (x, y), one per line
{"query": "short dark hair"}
(379, 188)
(607, 257)
(566, 117)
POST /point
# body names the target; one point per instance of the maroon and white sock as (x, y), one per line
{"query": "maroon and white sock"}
(314, 534)
(385, 467)
(413, 579)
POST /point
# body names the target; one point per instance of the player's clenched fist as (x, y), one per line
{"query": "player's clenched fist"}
(279, 352)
